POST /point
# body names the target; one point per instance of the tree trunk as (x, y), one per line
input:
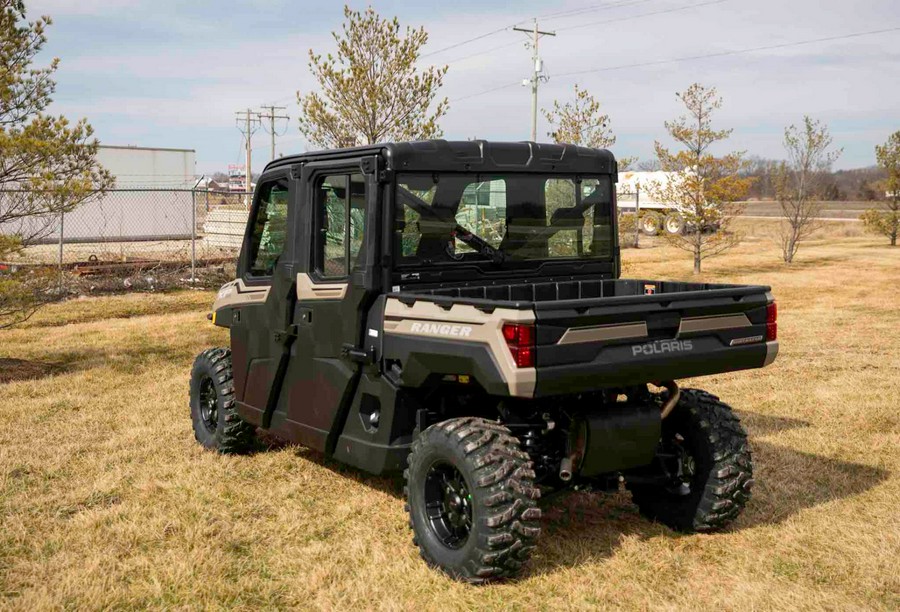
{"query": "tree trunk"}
(696, 260)
(789, 251)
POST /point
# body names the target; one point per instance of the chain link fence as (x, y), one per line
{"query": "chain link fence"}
(181, 233)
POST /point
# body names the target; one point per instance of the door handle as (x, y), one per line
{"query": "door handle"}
(282, 335)
(358, 355)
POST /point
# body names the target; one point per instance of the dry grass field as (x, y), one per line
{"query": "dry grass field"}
(829, 209)
(107, 502)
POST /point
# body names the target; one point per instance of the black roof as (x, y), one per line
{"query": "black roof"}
(472, 156)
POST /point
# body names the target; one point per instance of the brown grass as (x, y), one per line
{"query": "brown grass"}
(107, 502)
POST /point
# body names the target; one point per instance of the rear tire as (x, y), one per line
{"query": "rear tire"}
(674, 223)
(472, 500)
(214, 415)
(713, 474)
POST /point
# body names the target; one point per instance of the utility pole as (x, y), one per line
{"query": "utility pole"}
(271, 116)
(536, 76)
(251, 122)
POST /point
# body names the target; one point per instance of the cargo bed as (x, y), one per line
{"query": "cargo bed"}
(599, 333)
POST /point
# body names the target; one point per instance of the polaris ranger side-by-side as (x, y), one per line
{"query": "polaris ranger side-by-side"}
(453, 311)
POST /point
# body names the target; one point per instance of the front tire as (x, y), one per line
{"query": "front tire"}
(706, 461)
(214, 416)
(650, 223)
(472, 500)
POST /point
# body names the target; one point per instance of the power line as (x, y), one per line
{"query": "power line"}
(516, 42)
(465, 42)
(487, 91)
(272, 117)
(631, 17)
(591, 9)
(477, 53)
(688, 58)
(727, 53)
(557, 15)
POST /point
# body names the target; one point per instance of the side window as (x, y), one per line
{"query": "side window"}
(578, 214)
(408, 224)
(269, 228)
(565, 217)
(340, 221)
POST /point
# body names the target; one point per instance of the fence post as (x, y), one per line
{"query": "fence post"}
(193, 234)
(62, 220)
(637, 215)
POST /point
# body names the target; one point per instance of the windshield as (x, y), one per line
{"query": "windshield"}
(514, 217)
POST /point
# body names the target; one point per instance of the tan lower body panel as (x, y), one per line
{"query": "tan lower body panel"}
(237, 293)
(465, 323)
(308, 290)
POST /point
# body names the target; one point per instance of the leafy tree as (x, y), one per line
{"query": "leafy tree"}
(581, 122)
(887, 220)
(47, 165)
(708, 187)
(372, 90)
(802, 181)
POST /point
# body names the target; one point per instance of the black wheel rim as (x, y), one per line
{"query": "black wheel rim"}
(209, 404)
(679, 465)
(448, 504)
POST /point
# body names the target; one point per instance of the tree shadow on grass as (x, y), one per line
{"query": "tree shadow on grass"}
(132, 361)
(14, 370)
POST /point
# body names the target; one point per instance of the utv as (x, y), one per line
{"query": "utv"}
(453, 311)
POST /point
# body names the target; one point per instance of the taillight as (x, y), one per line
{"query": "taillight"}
(520, 339)
(771, 322)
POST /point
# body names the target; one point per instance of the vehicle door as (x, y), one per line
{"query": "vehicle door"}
(260, 326)
(334, 286)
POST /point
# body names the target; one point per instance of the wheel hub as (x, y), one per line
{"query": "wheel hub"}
(209, 404)
(447, 505)
(679, 466)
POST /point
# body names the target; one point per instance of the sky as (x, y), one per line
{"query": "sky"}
(168, 73)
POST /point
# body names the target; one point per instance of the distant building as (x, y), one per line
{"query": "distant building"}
(151, 199)
(149, 167)
(237, 178)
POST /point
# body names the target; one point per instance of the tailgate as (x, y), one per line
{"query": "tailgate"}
(673, 331)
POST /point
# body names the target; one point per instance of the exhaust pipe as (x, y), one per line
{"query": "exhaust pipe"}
(674, 396)
(565, 469)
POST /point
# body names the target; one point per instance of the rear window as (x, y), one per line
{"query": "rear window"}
(468, 217)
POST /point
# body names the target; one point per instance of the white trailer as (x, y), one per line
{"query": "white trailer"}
(634, 194)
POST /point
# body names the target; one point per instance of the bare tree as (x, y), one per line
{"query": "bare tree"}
(708, 188)
(372, 90)
(800, 182)
(48, 166)
(887, 221)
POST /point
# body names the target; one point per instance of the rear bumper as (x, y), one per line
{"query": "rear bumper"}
(621, 365)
